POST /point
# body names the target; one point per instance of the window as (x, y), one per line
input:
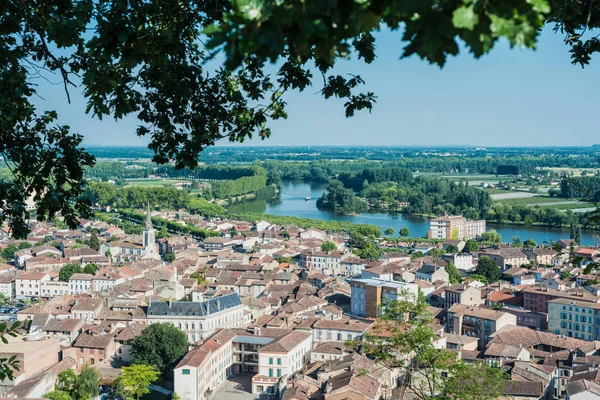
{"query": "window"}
(339, 336)
(270, 372)
(185, 372)
(279, 361)
(278, 373)
(260, 389)
(271, 361)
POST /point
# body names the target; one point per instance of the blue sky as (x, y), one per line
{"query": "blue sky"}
(507, 98)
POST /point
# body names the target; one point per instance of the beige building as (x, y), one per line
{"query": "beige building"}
(455, 227)
(462, 294)
(477, 322)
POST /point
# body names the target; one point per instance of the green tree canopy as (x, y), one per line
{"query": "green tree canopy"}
(408, 343)
(491, 236)
(68, 270)
(94, 242)
(471, 246)
(389, 231)
(135, 380)
(529, 243)
(90, 268)
(328, 246)
(58, 395)
(103, 49)
(488, 268)
(87, 384)
(160, 345)
(404, 232)
(170, 257)
(453, 273)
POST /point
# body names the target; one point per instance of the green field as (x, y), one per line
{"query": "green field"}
(547, 202)
(151, 182)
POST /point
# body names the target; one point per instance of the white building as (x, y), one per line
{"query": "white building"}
(30, 284)
(463, 261)
(55, 288)
(279, 360)
(7, 284)
(199, 320)
(80, 283)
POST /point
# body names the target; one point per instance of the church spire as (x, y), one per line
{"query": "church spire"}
(148, 219)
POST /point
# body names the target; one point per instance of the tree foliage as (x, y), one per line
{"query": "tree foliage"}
(94, 242)
(453, 273)
(328, 246)
(488, 268)
(87, 384)
(404, 338)
(135, 380)
(160, 345)
(68, 270)
(404, 232)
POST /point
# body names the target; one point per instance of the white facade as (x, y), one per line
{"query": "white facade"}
(30, 285)
(80, 284)
(55, 288)
(462, 261)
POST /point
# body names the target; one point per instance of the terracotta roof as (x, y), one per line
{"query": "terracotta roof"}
(92, 341)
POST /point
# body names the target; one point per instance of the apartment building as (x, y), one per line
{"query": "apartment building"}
(272, 354)
(54, 288)
(328, 263)
(536, 298)
(455, 227)
(462, 294)
(574, 318)
(29, 284)
(477, 322)
(80, 283)
(281, 359)
(367, 296)
(199, 320)
(205, 367)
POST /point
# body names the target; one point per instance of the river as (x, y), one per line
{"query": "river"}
(292, 202)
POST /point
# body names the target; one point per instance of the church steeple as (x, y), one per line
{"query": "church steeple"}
(148, 219)
(149, 241)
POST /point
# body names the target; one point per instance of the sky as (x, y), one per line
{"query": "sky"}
(510, 97)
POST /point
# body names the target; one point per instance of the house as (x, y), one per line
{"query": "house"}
(339, 330)
(541, 255)
(313, 233)
(218, 243)
(524, 280)
(7, 284)
(462, 261)
(87, 309)
(507, 257)
(462, 294)
(90, 349)
(432, 273)
(22, 256)
(574, 318)
(350, 385)
(477, 322)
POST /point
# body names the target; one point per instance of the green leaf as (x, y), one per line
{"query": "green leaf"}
(541, 6)
(464, 17)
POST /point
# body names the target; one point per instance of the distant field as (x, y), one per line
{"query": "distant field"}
(511, 196)
(574, 171)
(151, 182)
(546, 202)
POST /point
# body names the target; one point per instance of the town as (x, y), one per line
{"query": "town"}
(262, 310)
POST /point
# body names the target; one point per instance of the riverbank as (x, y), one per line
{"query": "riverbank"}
(291, 203)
